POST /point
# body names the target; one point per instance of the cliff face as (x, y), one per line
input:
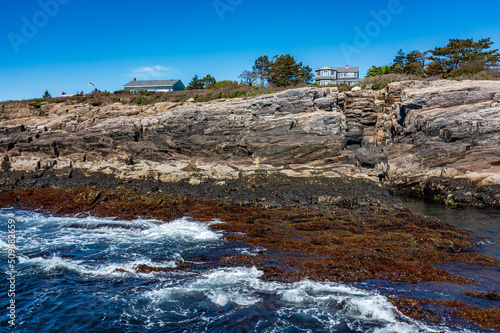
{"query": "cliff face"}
(296, 126)
(451, 127)
(408, 133)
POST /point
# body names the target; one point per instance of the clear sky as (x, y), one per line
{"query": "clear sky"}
(61, 45)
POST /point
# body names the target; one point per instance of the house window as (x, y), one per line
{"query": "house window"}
(325, 73)
(351, 75)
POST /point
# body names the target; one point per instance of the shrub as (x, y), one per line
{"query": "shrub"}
(140, 100)
(146, 92)
(381, 81)
(37, 102)
(468, 68)
(225, 84)
(96, 102)
(235, 94)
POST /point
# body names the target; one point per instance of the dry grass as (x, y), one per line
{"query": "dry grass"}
(381, 81)
(199, 95)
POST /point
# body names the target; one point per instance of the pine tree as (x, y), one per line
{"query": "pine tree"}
(463, 52)
(195, 83)
(46, 95)
(414, 63)
(285, 71)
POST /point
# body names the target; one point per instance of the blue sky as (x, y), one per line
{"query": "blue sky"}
(61, 45)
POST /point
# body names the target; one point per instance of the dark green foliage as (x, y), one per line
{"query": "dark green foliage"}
(235, 94)
(37, 102)
(465, 56)
(414, 63)
(146, 92)
(381, 85)
(208, 81)
(398, 63)
(282, 71)
(226, 84)
(459, 57)
(46, 95)
(380, 70)
(140, 100)
(195, 83)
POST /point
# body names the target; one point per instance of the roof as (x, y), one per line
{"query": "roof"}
(151, 83)
(341, 69)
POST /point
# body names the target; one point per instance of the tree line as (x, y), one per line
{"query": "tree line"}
(458, 57)
(280, 71)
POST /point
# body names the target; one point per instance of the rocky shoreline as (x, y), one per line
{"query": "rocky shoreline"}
(438, 140)
(304, 174)
(326, 229)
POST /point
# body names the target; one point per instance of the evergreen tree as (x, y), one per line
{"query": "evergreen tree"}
(306, 74)
(46, 95)
(414, 63)
(285, 71)
(400, 59)
(195, 83)
(463, 52)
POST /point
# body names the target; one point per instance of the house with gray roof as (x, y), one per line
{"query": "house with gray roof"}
(327, 75)
(154, 85)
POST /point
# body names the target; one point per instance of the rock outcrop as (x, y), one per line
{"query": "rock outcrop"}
(410, 134)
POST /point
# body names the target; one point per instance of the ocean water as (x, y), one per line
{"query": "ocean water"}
(482, 222)
(79, 275)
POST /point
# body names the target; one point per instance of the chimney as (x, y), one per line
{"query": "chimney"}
(133, 79)
(347, 66)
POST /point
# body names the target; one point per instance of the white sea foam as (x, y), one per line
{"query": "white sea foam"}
(3, 245)
(43, 233)
(82, 267)
(327, 303)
